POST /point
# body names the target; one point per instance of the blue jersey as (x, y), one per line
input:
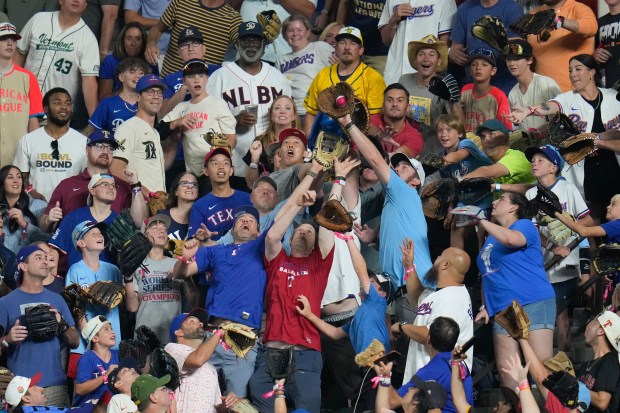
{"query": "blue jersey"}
(90, 367)
(506, 270)
(80, 274)
(107, 70)
(612, 229)
(216, 213)
(439, 370)
(238, 280)
(111, 113)
(402, 217)
(368, 322)
(30, 357)
(62, 237)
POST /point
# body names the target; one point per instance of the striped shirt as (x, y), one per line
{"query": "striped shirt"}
(218, 25)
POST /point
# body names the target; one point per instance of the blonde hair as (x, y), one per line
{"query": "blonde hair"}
(615, 198)
(327, 29)
(452, 122)
(269, 136)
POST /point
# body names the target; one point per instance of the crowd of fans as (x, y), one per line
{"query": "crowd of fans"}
(105, 106)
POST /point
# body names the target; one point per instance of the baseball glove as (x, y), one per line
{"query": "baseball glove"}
(374, 351)
(491, 29)
(243, 406)
(561, 128)
(175, 247)
(607, 259)
(431, 159)
(360, 116)
(216, 140)
(560, 362)
(280, 362)
(106, 294)
(437, 196)
(564, 387)
(547, 201)
(148, 336)
(522, 139)
(335, 217)
(158, 201)
(76, 299)
(41, 322)
(470, 211)
(578, 147)
(135, 349)
(239, 338)
(557, 232)
(446, 88)
(133, 254)
(337, 100)
(5, 378)
(329, 147)
(271, 24)
(539, 24)
(473, 190)
(514, 320)
(163, 363)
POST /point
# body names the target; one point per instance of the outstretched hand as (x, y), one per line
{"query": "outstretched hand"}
(407, 249)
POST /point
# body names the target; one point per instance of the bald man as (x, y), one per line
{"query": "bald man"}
(450, 299)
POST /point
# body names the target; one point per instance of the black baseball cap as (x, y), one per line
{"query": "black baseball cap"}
(127, 362)
(190, 33)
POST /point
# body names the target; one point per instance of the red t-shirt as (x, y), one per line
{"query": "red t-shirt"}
(287, 278)
(553, 405)
(409, 137)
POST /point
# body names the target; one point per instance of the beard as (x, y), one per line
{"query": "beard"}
(431, 276)
(260, 51)
(196, 334)
(58, 122)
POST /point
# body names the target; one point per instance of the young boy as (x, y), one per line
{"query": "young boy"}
(97, 363)
(114, 110)
(566, 275)
(203, 113)
(481, 100)
(89, 241)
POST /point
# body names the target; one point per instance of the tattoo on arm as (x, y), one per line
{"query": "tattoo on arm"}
(544, 106)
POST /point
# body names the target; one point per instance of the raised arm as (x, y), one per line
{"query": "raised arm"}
(414, 286)
(507, 237)
(456, 384)
(579, 228)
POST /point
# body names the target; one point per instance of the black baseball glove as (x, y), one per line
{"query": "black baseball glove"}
(135, 349)
(280, 362)
(546, 201)
(148, 336)
(163, 363)
(41, 322)
(561, 128)
(446, 88)
(473, 190)
(491, 29)
(564, 386)
(539, 24)
(437, 196)
(106, 294)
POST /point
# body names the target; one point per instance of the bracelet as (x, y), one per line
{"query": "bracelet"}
(187, 262)
(29, 188)
(219, 334)
(340, 178)
(4, 342)
(253, 165)
(312, 174)
(385, 381)
(598, 138)
(136, 190)
(455, 363)
(324, 11)
(339, 182)
(523, 387)
(349, 126)
(136, 185)
(410, 269)
(343, 237)
(498, 187)
(128, 280)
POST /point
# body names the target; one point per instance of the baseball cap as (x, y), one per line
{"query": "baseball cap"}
(517, 49)
(250, 28)
(18, 386)
(198, 312)
(101, 136)
(215, 150)
(265, 178)
(492, 125)
(436, 395)
(82, 229)
(190, 33)
(245, 209)
(482, 53)
(399, 157)
(125, 363)
(351, 32)
(611, 325)
(150, 81)
(550, 152)
(146, 385)
(155, 218)
(287, 133)
(7, 29)
(196, 67)
(93, 181)
(22, 256)
(92, 328)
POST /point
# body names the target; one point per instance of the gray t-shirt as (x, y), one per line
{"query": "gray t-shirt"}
(160, 297)
(286, 179)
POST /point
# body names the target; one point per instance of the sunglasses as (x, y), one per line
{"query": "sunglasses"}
(513, 49)
(55, 152)
(482, 52)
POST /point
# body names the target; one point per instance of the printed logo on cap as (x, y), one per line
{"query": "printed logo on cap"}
(250, 25)
(189, 32)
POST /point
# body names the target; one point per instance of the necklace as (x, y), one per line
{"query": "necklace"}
(591, 364)
(599, 99)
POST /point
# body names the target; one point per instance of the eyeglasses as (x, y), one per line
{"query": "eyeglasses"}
(107, 185)
(154, 92)
(188, 184)
(55, 152)
(513, 49)
(103, 147)
(193, 43)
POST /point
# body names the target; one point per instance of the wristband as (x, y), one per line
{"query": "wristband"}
(136, 185)
(385, 381)
(29, 189)
(136, 190)
(253, 165)
(4, 342)
(400, 326)
(339, 182)
(343, 237)
(498, 187)
(340, 178)
(349, 126)
(187, 262)
(559, 22)
(410, 269)
(219, 333)
(128, 280)
(312, 174)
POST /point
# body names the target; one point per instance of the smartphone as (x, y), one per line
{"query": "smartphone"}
(388, 358)
(467, 345)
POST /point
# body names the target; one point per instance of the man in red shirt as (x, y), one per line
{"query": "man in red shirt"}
(392, 128)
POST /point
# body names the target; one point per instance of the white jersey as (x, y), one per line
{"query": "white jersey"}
(573, 203)
(34, 155)
(430, 17)
(573, 105)
(239, 89)
(249, 10)
(58, 58)
(541, 89)
(451, 302)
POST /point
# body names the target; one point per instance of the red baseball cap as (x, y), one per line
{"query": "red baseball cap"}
(215, 151)
(287, 133)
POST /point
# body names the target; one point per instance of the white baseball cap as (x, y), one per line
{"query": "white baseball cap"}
(611, 325)
(92, 328)
(18, 386)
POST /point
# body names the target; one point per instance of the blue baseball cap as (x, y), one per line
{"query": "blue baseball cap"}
(190, 33)
(22, 256)
(101, 136)
(251, 28)
(245, 209)
(198, 312)
(149, 81)
(82, 229)
(550, 152)
(492, 125)
(482, 53)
